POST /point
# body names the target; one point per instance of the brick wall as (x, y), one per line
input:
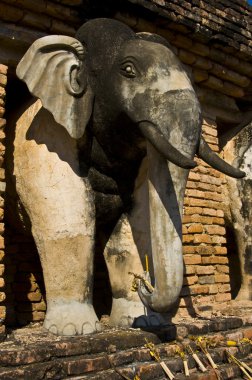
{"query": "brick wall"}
(43, 15)
(3, 82)
(25, 294)
(206, 278)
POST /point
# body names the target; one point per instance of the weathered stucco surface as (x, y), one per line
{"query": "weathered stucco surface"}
(239, 152)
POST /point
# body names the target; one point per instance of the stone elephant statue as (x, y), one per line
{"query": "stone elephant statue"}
(113, 132)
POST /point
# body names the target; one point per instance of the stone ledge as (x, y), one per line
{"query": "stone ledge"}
(33, 353)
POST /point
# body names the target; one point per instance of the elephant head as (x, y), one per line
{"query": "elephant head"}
(129, 87)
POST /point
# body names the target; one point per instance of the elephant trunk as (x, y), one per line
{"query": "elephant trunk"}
(166, 183)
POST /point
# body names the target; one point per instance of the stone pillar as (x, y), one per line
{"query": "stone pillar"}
(3, 82)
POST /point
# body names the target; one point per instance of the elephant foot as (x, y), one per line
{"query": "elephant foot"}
(71, 318)
(124, 312)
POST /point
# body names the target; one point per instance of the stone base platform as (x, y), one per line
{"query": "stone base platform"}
(33, 353)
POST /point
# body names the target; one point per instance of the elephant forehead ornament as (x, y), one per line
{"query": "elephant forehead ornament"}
(133, 126)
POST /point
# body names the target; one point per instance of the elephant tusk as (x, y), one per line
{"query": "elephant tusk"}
(163, 146)
(216, 162)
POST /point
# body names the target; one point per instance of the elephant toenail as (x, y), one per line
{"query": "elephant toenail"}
(98, 326)
(53, 329)
(124, 321)
(69, 329)
(87, 328)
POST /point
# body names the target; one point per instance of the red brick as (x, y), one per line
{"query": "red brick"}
(209, 211)
(247, 333)
(39, 21)
(214, 260)
(190, 269)
(84, 365)
(192, 259)
(3, 80)
(3, 69)
(211, 139)
(197, 202)
(215, 230)
(38, 315)
(203, 63)
(223, 297)
(236, 336)
(195, 193)
(220, 213)
(192, 210)
(209, 179)
(221, 250)
(216, 220)
(224, 288)
(205, 250)
(222, 268)
(203, 238)
(188, 249)
(2, 111)
(213, 289)
(186, 57)
(2, 296)
(199, 289)
(181, 313)
(200, 269)
(207, 130)
(28, 306)
(204, 300)
(214, 196)
(208, 187)
(195, 228)
(32, 296)
(2, 267)
(182, 41)
(35, 316)
(184, 229)
(190, 280)
(188, 238)
(206, 280)
(2, 312)
(222, 278)
(150, 371)
(192, 185)
(219, 239)
(194, 176)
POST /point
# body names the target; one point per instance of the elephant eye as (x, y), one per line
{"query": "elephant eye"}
(128, 70)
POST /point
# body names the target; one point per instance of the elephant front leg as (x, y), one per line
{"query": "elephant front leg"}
(125, 252)
(68, 271)
(122, 257)
(61, 209)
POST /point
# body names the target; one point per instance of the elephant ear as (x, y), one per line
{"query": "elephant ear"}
(54, 69)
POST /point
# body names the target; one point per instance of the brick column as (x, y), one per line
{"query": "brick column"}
(206, 278)
(3, 82)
